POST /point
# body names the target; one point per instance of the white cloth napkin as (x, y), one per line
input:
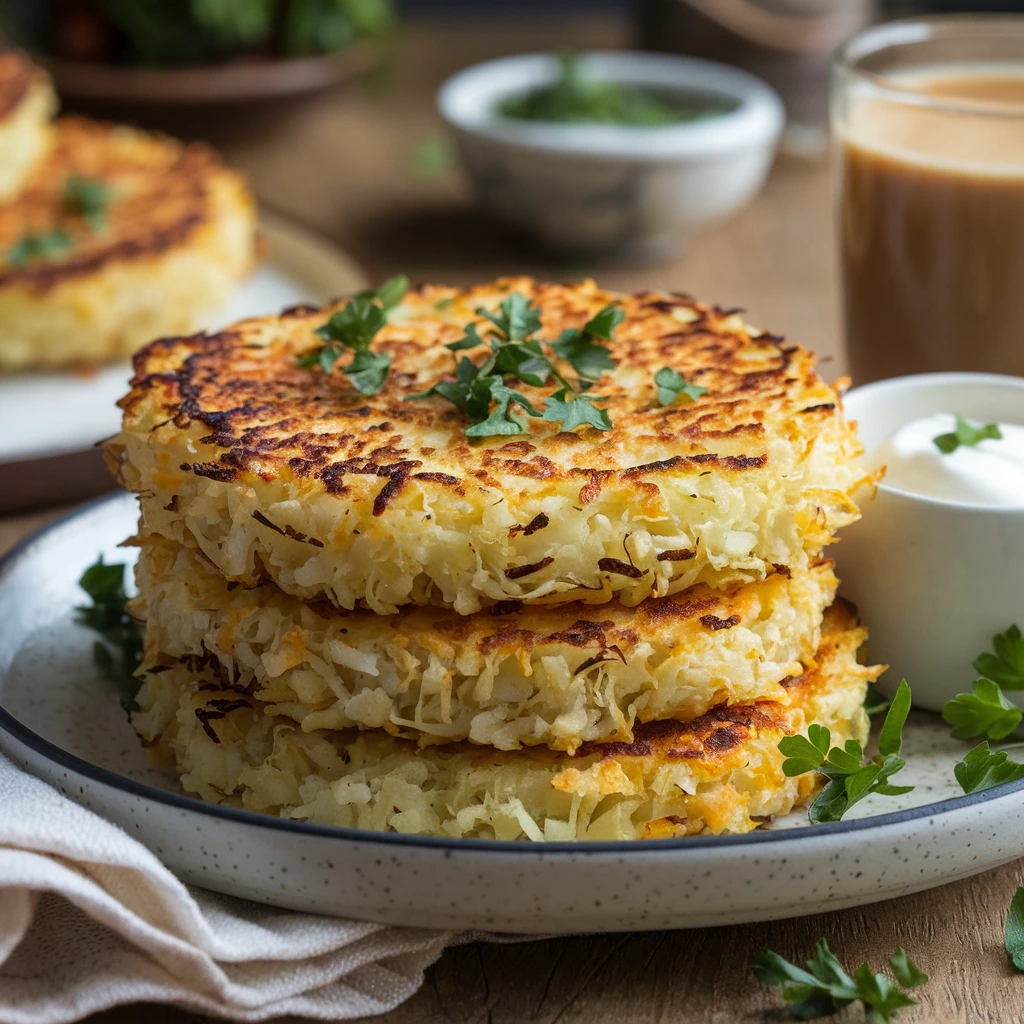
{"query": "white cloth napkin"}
(90, 919)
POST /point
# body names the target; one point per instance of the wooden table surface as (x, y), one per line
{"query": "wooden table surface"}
(340, 164)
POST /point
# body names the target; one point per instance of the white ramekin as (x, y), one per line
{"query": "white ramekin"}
(618, 189)
(934, 579)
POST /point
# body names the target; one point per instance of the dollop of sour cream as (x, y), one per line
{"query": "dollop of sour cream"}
(989, 473)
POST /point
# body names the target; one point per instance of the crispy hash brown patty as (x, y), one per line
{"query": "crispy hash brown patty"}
(558, 676)
(27, 102)
(178, 232)
(282, 473)
(721, 772)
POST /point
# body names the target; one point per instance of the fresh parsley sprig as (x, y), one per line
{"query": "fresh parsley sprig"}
(1006, 666)
(354, 327)
(117, 658)
(581, 348)
(500, 419)
(966, 434)
(825, 988)
(982, 769)
(573, 409)
(1014, 931)
(671, 384)
(517, 317)
(482, 391)
(849, 779)
(984, 712)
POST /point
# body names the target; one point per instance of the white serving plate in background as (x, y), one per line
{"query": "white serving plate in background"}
(51, 457)
(63, 724)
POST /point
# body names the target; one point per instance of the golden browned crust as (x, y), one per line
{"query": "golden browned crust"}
(720, 772)
(723, 729)
(160, 196)
(272, 419)
(710, 739)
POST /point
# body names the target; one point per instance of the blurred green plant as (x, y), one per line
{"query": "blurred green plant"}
(176, 32)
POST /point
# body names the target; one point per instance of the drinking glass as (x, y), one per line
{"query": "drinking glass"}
(928, 152)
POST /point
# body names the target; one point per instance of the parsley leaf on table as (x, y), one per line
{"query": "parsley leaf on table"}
(107, 616)
(671, 384)
(1015, 929)
(982, 768)
(430, 158)
(985, 712)
(966, 434)
(906, 971)
(825, 988)
(849, 780)
(1006, 666)
(354, 327)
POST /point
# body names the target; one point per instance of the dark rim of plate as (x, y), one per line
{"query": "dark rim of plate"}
(20, 732)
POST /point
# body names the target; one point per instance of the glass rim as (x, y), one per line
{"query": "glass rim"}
(904, 31)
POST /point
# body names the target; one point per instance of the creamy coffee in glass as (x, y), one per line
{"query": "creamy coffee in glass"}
(928, 136)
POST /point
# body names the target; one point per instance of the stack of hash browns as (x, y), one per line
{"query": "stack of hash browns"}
(356, 615)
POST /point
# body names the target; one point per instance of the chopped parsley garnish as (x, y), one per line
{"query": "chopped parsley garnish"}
(582, 349)
(89, 198)
(982, 768)
(118, 657)
(1015, 929)
(966, 434)
(671, 384)
(985, 712)
(354, 327)
(47, 245)
(572, 409)
(500, 419)
(482, 391)
(825, 988)
(577, 97)
(849, 780)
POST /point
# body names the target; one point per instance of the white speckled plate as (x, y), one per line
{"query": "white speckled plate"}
(62, 723)
(55, 460)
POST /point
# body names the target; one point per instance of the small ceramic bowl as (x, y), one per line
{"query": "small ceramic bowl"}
(602, 189)
(934, 579)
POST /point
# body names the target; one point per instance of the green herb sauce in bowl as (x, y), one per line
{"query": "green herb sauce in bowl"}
(576, 97)
(612, 153)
